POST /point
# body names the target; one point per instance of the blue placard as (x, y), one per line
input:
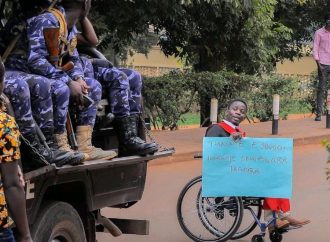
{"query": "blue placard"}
(259, 167)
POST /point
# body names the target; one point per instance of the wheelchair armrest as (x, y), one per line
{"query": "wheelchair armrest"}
(91, 51)
(198, 156)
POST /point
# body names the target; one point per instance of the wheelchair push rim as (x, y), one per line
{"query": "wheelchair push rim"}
(200, 217)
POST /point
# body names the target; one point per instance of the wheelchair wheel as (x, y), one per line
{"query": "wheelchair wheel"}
(248, 222)
(257, 238)
(207, 219)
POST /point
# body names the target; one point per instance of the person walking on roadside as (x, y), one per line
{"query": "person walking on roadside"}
(321, 54)
(12, 195)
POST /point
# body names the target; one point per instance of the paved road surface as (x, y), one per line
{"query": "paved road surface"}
(164, 182)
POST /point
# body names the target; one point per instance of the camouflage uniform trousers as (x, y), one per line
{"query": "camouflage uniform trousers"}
(49, 99)
(60, 96)
(29, 95)
(123, 87)
(135, 86)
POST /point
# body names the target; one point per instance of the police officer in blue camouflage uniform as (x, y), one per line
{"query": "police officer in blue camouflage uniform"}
(41, 61)
(123, 87)
(25, 90)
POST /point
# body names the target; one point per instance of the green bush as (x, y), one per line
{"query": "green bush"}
(326, 144)
(167, 98)
(260, 97)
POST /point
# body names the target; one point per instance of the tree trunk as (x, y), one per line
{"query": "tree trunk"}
(212, 64)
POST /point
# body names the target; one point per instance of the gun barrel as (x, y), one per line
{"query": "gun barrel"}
(71, 134)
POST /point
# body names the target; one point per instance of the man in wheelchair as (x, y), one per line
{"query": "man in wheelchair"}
(280, 208)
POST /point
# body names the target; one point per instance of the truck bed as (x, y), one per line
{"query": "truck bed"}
(95, 164)
(100, 183)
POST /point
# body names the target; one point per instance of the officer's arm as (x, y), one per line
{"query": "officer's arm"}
(37, 59)
(88, 36)
(77, 71)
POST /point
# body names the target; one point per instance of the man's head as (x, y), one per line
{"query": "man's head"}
(327, 20)
(77, 9)
(236, 111)
(70, 5)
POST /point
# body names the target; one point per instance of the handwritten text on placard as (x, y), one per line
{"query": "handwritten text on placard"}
(260, 167)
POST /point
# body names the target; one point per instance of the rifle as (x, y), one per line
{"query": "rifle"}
(70, 132)
(52, 40)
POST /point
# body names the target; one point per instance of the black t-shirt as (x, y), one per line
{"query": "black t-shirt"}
(216, 130)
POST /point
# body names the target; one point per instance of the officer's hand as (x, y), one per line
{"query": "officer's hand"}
(87, 8)
(236, 136)
(76, 92)
(85, 87)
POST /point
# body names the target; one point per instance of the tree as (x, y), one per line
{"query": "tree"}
(303, 18)
(123, 25)
(211, 35)
(240, 35)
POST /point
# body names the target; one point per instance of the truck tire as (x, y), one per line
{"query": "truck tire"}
(58, 222)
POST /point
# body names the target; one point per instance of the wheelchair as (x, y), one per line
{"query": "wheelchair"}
(221, 218)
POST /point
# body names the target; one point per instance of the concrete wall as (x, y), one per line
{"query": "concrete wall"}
(155, 58)
(302, 66)
(156, 63)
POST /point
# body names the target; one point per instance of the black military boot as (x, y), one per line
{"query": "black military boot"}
(34, 153)
(61, 157)
(129, 142)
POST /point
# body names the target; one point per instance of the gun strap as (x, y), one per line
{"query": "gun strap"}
(63, 34)
(62, 22)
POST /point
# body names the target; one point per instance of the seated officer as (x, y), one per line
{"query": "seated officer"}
(44, 59)
(123, 87)
(24, 89)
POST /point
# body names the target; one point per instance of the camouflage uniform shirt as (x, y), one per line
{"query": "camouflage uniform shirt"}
(37, 59)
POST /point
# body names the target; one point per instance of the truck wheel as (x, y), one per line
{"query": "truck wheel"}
(58, 222)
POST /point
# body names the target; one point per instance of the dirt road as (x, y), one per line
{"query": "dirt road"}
(311, 200)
